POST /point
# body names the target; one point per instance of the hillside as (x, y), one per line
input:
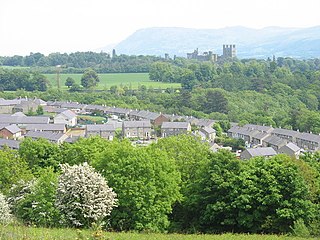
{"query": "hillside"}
(251, 43)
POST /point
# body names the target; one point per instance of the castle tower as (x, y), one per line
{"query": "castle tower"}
(229, 51)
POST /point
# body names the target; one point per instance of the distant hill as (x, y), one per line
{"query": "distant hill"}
(256, 43)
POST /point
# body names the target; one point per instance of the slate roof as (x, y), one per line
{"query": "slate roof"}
(287, 132)
(68, 114)
(4, 102)
(204, 122)
(100, 127)
(259, 127)
(52, 136)
(13, 128)
(23, 119)
(292, 146)
(45, 127)
(263, 151)
(13, 144)
(274, 140)
(261, 135)
(176, 125)
(19, 114)
(243, 131)
(208, 130)
(309, 137)
(136, 124)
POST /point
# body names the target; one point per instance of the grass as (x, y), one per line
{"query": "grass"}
(32, 233)
(110, 79)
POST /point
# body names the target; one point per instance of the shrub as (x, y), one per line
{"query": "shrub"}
(34, 202)
(83, 196)
(5, 215)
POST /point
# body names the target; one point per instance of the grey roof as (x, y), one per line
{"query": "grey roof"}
(144, 114)
(100, 127)
(72, 139)
(292, 146)
(94, 107)
(259, 127)
(72, 105)
(4, 102)
(118, 110)
(52, 136)
(309, 137)
(263, 151)
(13, 144)
(282, 131)
(136, 124)
(204, 122)
(208, 130)
(180, 125)
(274, 140)
(45, 127)
(261, 135)
(243, 131)
(13, 128)
(68, 114)
(23, 120)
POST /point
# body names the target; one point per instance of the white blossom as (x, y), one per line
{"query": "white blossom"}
(5, 215)
(83, 195)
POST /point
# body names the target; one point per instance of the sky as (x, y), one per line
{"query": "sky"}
(48, 26)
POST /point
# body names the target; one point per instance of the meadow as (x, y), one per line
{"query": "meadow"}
(32, 233)
(133, 80)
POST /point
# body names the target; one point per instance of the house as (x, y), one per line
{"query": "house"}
(57, 128)
(258, 152)
(106, 131)
(259, 137)
(202, 122)
(286, 134)
(207, 133)
(156, 119)
(6, 106)
(10, 132)
(264, 129)
(274, 142)
(66, 117)
(120, 112)
(26, 105)
(50, 136)
(290, 149)
(308, 141)
(215, 147)
(246, 134)
(13, 144)
(136, 129)
(174, 128)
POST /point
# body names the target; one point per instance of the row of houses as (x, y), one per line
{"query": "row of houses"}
(266, 136)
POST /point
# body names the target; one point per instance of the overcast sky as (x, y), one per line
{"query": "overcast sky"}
(80, 25)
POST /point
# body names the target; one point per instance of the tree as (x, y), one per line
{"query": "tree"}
(12, 169)
(34, 202)
(70, 82)
(90, 78)
(39, 110)
(146, 182)
(83, 196)
(215, 101)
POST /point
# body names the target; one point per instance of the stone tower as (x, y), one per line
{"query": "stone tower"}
(229, 51)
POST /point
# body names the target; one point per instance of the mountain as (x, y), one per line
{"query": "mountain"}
(255, 43)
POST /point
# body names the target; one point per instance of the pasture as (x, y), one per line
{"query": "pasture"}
(32, 233)
(130, 80)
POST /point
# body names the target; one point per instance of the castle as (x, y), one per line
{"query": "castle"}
(229, 51)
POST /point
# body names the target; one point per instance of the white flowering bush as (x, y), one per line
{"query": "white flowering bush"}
(5, 215)
(83, 196)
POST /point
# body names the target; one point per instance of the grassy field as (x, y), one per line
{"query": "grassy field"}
(31, 233)
(110, 79)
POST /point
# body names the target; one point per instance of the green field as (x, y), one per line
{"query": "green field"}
(31, 233)
(110, 79)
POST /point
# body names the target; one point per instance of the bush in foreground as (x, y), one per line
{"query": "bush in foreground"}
(5, 215)
(83, 196)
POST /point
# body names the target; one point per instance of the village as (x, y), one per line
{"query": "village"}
(140, 126)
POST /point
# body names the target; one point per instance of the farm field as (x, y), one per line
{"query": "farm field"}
(110, 79)
(20, 232)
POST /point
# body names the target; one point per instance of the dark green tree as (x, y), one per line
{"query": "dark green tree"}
(90, 78)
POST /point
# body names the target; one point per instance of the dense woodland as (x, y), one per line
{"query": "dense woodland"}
(175, 185)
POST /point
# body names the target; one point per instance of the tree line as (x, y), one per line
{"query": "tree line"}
(77, 62)
(175, 185)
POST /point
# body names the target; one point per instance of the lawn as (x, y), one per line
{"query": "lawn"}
(110, 79)
(31, 233)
